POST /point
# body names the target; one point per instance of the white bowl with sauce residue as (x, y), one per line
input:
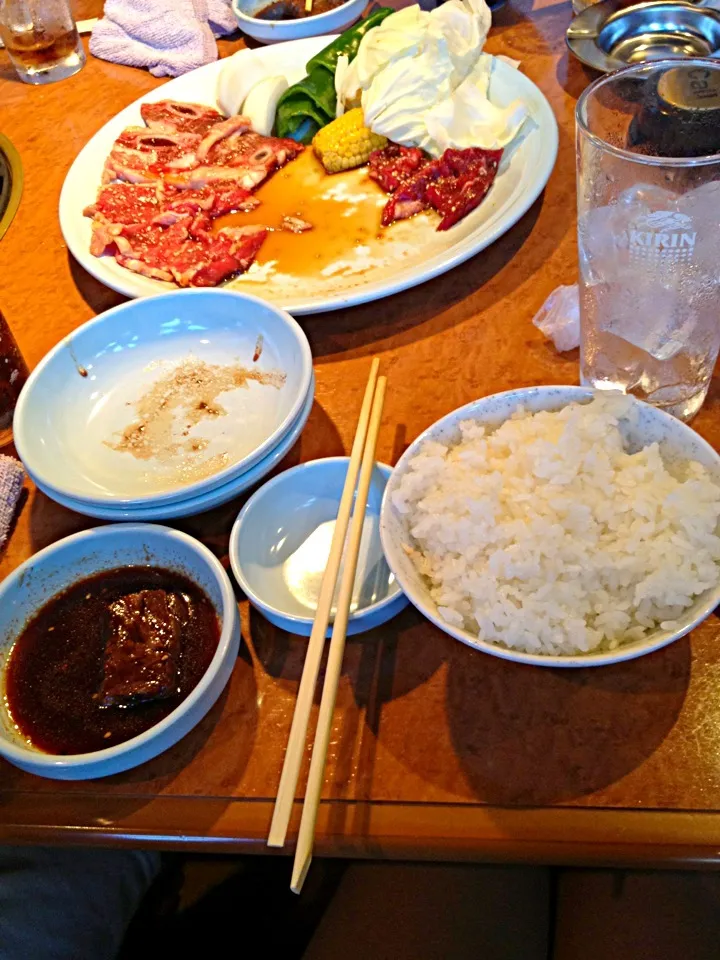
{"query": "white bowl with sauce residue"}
(56, 568)
(163, 398)
(280, 543)
(336, 20)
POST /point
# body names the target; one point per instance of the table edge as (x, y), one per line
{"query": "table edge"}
(452, 832)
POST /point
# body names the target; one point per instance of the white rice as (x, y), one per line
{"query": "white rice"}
(546, 536)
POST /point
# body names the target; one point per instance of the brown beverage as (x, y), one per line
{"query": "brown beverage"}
(13, 374)
(41, 38)
(41, 47)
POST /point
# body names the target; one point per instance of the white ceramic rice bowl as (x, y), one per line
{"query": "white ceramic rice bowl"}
(677, 442)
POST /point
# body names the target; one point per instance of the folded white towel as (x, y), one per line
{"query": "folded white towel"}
(12, 477)
(168, 37)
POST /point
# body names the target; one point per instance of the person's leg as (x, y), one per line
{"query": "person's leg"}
(435, 912)
(59, 903)
(611, 914)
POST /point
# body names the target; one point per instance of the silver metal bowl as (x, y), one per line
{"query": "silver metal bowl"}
(610, 35)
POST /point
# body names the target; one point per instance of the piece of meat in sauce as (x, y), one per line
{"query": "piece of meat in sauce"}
(216, 200)
(142, 654)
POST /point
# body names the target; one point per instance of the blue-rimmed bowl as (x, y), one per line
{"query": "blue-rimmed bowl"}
(82, 398)
(281, 540)
(59, 566)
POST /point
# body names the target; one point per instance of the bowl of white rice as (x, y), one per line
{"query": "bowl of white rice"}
(557, 526)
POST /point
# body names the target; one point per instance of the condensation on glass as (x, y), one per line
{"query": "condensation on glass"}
(648, 179)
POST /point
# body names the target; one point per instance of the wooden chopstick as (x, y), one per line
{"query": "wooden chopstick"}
(316, 644)
(303, 852)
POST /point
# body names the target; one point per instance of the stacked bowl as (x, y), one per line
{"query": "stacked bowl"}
(166, 406)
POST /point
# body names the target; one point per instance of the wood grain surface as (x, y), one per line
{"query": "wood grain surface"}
(437, 750)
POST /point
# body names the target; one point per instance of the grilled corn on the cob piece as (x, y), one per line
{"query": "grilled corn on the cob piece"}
(346, 142)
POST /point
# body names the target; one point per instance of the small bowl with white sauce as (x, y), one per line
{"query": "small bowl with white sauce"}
(280, 544)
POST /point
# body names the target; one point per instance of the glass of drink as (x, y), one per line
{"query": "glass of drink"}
(648, 178)
(13, 374)
(41, 38)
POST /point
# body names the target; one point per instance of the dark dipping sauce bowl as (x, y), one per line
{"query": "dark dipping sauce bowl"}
(74, 705)
(295, 9)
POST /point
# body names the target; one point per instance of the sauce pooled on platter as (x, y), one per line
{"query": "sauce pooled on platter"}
(109, 658)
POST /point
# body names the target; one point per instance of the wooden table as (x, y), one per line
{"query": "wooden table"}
(437, 751)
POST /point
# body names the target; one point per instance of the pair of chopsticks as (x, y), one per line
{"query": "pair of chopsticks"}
(362, 461)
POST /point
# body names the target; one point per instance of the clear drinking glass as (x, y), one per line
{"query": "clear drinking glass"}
(648, 176)
(41, 38)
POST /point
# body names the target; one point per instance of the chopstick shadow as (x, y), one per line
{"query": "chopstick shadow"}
(388, 664)
(379, 666)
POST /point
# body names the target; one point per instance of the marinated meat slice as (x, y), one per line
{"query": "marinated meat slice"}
(120, 205)
(453, 185)
(149, 250)
(246, 177)
(142, 654)
(140, 155)
(407, 200)
(247, 159)
(127, 202)
(466, 176)
(221, 131)
(216, 200)
(253, 150)
(188, 253)
(175, 117)
(211, 259)
(394, 165)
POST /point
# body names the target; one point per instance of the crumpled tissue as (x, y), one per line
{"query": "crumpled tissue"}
(559, 318)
